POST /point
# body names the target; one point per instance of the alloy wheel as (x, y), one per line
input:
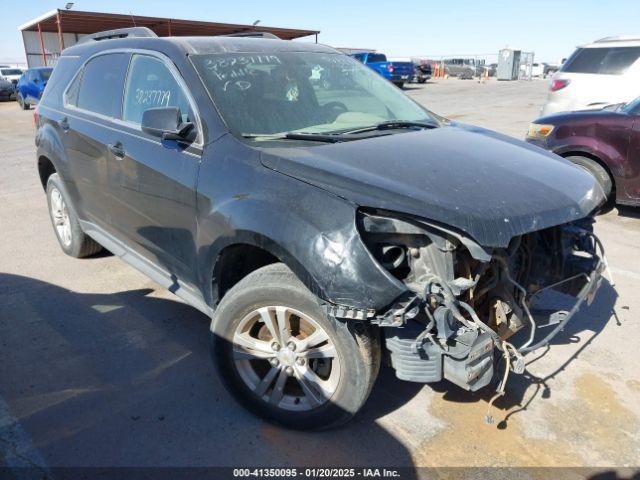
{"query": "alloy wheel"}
(60, 216)
(286, 358)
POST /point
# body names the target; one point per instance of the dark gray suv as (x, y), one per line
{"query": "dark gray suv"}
(322, 229)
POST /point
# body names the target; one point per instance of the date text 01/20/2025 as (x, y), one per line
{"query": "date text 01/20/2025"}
(315, 473)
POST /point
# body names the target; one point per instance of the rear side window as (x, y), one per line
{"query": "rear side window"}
(45, 74)
(605, 61)
(102, 82)
(150, 84)
(376, 57)
(71, 95)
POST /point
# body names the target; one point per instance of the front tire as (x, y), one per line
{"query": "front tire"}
(73, 241)
(598, 171)
(284, 359)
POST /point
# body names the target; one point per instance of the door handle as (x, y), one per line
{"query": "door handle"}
(117, 150)
(64, 124)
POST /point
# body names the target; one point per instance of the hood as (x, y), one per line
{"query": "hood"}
(583, 115)
(487, 185)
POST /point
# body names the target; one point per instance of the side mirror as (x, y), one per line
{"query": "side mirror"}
(166, 123)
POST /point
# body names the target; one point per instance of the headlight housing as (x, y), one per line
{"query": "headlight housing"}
(408, 248)
(539, 130)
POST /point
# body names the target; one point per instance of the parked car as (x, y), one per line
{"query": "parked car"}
(602, 73)
(462, 68)
(10, 74)
(421, 73)
(537, 70)
(7, 90)
(550, 69)
(396, 72)
(605, 142)
(31, 85)
(319, 229)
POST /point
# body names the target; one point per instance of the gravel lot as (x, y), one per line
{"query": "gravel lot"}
(99, 366)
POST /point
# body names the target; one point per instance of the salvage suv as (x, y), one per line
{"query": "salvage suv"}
(321, 229)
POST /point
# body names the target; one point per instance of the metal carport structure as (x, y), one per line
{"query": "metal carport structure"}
(46, 36)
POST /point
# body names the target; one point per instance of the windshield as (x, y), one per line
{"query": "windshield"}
(11, 71)
(45, 73)
(268, 94)
(633, 107)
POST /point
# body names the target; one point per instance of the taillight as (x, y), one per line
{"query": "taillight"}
(558, 84)
(35, 117)
(390, 68)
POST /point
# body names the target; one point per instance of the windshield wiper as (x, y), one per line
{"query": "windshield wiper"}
(312, 137)
(393, 124)
(341, 136)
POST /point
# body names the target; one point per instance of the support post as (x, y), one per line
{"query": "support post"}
(44, 55)
(169, 25)
(60, 37)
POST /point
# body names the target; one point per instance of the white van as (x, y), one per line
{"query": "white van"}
(604, 72)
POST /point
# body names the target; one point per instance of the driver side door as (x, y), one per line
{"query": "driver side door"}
(152, 180)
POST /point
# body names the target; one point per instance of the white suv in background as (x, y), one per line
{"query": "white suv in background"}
(602, 73)
(10, 74)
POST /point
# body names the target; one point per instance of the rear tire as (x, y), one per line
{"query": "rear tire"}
(73, 241)
(272, 375)
(598, 171)
(22, 102)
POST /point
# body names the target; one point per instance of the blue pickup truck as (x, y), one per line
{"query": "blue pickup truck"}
(396, 72)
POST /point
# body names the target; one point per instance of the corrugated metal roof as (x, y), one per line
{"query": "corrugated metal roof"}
(92, 22)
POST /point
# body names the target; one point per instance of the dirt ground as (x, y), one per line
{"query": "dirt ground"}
(99, 366)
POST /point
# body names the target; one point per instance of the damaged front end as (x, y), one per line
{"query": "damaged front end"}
(464, 301)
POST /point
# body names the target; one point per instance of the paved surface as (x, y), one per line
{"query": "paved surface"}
(99, 366)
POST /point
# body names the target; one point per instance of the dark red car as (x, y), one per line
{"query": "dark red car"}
(605, 142)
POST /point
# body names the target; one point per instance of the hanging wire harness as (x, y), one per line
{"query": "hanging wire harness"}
(468, 303)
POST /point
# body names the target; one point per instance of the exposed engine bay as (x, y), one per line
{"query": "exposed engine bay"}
(466, 301)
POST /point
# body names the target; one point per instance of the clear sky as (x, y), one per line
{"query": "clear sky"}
(551, 28)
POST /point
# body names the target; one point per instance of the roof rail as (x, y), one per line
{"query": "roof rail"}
(252, 35)
(118, 33)
(619, 38)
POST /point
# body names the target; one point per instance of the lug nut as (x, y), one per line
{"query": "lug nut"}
(289, 370)
(275, 347)
(300, 361)
(274, 362)
(292, 346)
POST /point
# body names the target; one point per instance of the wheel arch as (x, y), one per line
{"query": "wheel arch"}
(233, 259)
(592, 156)
(46, 168)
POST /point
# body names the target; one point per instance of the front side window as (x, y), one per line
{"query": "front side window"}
(605, 61)
(101, 86)
(266, 94)
(150, 84)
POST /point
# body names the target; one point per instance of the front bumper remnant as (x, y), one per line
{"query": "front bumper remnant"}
(447, 332)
